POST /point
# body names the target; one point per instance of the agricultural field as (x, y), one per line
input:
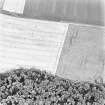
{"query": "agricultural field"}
(30, 43)
(69, 59)
(69, 50)
(83, 53)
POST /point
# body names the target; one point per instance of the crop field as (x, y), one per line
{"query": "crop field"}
(52, 61)
(70, 52)
(30, 43)
(83, 53)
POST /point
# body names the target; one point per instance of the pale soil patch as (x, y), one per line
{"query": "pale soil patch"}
(82, 57)
(30, 43)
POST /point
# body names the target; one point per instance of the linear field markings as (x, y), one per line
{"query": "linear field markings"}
(31, 43)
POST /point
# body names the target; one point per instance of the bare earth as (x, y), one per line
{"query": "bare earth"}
(82, 57)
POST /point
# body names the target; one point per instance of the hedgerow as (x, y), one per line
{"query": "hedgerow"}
(35, 87)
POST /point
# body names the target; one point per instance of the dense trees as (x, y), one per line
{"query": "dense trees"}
(34, 87)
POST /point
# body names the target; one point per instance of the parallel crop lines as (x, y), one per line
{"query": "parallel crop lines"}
(36, 43)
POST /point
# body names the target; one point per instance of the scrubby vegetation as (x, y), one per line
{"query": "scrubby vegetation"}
(34, 87)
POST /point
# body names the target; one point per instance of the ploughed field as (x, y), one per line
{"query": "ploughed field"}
(35, 87)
